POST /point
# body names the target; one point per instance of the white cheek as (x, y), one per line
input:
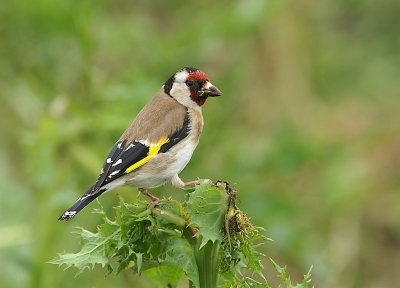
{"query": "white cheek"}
(181, 93)
(180, 90)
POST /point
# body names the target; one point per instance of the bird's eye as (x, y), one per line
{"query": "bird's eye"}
(189, 83)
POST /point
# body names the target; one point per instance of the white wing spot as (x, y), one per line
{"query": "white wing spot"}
(113, 173)
(144, 142)
(117, 163)
(129, 147)
(109, 160)
(83, 197)
(70, 213)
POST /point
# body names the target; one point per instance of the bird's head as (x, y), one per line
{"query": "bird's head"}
(190, 87)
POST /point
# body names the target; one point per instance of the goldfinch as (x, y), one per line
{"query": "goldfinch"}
(158, 143)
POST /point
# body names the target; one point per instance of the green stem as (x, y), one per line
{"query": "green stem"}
(170, 217)
(206, 259)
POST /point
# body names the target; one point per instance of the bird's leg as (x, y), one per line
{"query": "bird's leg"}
(177, 183)
(191, 183)
(154, 200)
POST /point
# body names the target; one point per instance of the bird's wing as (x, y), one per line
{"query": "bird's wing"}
(129, 155)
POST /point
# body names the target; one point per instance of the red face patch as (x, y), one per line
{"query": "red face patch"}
(198, 76)
(199, 100)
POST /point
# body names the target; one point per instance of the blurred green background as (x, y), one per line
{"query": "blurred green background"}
(308, 126)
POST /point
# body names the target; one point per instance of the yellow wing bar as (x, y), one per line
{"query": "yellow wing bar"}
(153, 150)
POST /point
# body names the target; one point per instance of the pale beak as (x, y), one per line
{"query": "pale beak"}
(210, 91)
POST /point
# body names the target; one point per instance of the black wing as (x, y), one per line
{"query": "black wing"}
(125, 156)
(120, 154)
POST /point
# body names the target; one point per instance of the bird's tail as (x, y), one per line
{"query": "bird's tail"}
(81, 203)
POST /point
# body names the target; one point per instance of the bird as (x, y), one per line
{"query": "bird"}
(159, 142)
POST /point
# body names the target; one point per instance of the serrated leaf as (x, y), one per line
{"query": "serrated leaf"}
(125, 255)
(180, 255)
(278, 268)
(126, 215)
(95, 249)
(141, 247)
(286, 279)
(152, 243)
(249, 251)
(207, 206)
(159, 242)
(306, 280)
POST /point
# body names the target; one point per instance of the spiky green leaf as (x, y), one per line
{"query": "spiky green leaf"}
(96, 248)
(207, 206)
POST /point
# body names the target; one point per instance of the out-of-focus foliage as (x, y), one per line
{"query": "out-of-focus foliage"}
(308, 125)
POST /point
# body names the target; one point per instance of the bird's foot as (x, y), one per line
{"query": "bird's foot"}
(154, 199)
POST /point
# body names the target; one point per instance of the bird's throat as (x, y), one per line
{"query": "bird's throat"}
(200, 100)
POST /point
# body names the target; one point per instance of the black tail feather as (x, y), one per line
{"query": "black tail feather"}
(81, 203)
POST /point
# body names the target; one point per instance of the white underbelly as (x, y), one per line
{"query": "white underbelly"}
(162, 167)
